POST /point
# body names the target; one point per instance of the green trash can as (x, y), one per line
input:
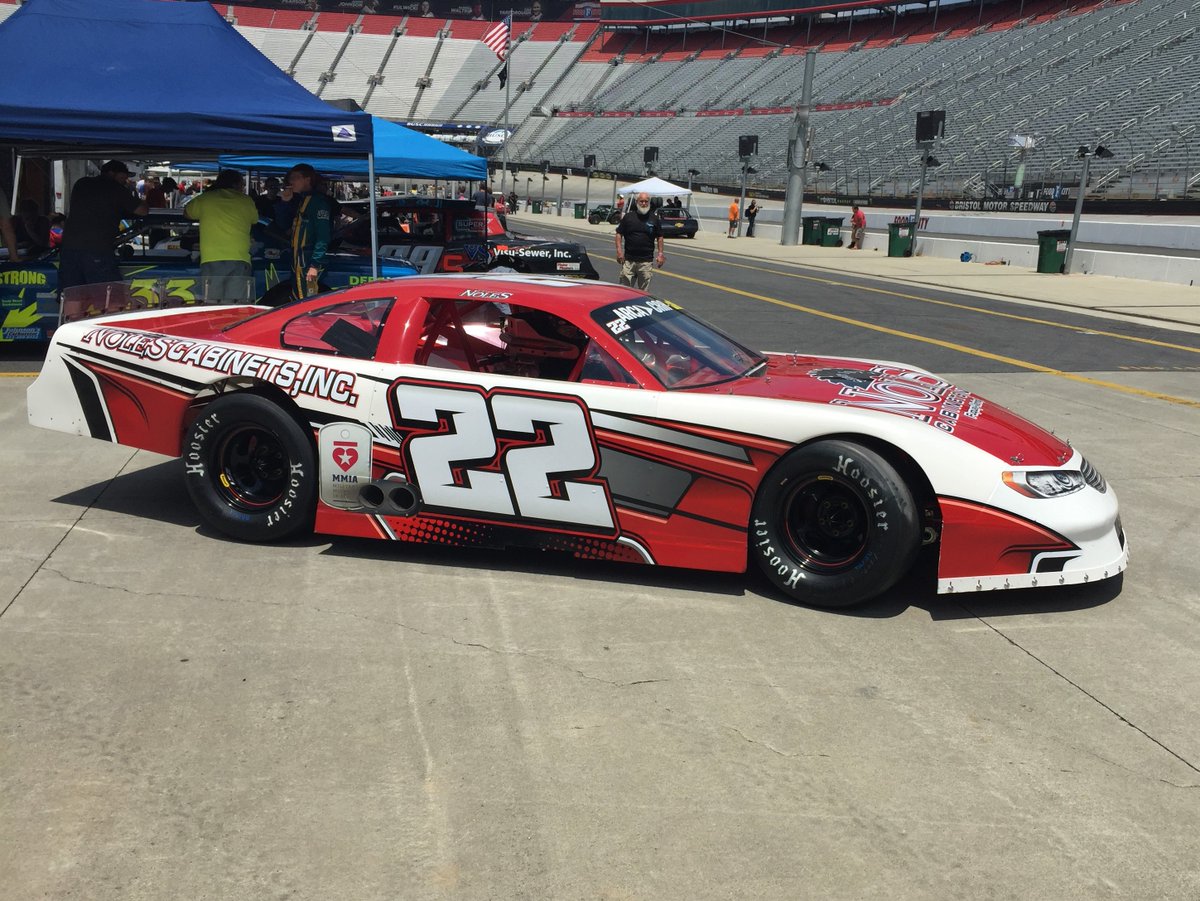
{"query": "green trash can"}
(831, 231)
(1052, 249)
(812, 230)
(900, 239)
(537, 206)
(581, 211)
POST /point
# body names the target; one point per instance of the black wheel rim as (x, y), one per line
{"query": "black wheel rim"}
(252, 468)
(826, 523)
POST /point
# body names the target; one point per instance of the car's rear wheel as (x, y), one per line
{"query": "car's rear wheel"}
(834, 524)
(614, 218)
(251, 469)
(594, 220)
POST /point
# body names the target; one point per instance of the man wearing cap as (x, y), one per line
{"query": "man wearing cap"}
(98, 204)
(226, 216)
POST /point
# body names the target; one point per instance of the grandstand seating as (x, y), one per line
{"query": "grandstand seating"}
(1125, 73)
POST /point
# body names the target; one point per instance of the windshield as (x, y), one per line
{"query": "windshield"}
(680, 351)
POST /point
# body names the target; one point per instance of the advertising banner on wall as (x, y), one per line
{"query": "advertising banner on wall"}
(485, 10)
(661, 12)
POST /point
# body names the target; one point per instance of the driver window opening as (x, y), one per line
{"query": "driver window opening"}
(346, 329)
(481, 336)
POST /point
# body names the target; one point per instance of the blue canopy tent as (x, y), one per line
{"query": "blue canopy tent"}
(149, 79)
(398, 151)
(128, 77)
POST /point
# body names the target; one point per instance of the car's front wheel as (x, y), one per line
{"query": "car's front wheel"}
(250, 469)
(834, 524)
(614, 218)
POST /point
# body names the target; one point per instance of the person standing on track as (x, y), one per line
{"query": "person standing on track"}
(751, 213)
(858, 228)
(638, 234)
(733, 219)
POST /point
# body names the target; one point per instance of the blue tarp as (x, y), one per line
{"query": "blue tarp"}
(398, 151)
(123, 77)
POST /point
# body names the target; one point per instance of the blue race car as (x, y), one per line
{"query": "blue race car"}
(160, 261)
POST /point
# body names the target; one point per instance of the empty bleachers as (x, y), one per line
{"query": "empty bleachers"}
(1122, 72)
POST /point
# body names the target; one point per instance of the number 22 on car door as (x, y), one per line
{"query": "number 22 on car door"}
(504, 454)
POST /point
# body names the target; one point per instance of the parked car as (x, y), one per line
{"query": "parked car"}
(604, 213)
(159, 259)
(527, 411)
(533, 254)
(431, 233)
(677, 222)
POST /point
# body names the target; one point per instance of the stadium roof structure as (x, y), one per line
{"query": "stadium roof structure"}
(143, 77)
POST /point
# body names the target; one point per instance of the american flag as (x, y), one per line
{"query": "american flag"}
(497, 38)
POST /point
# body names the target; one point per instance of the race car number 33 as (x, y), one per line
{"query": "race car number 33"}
(504, 454)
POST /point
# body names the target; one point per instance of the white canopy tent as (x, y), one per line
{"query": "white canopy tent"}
(655, 187)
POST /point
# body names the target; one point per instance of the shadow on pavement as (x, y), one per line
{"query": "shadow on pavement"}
(552, 563)
(157, 493)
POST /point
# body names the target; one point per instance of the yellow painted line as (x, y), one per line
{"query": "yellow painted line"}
(18, 375)
(1082, 329)
(949, 345)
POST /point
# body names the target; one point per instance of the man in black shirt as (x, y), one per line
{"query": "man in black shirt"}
(98, 204)
(638, 233)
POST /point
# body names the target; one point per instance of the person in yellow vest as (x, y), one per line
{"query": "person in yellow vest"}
(226, 215)
(733, 219)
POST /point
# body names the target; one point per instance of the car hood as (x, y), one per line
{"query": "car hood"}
(896, 389)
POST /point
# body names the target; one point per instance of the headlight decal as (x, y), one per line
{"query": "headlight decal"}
(1045, 483)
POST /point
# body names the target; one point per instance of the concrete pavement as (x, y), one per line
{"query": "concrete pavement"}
(185, 716)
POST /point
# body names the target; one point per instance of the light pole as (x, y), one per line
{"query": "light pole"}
(1184, 133)
(589, 163)
(747, 169)
(562, 181)
(1086, 154)
(926, 162)
(692, 173)
(528, 180)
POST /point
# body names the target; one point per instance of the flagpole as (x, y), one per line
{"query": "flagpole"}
(507, 80)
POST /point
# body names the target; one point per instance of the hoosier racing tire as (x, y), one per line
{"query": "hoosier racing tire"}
(250, 469)
(834, 524)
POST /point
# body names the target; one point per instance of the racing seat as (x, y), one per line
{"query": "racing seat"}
(530, 353)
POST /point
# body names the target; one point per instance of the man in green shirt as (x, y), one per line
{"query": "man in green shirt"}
(225, 214)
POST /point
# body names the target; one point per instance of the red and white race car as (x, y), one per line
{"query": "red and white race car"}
(590, 418)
